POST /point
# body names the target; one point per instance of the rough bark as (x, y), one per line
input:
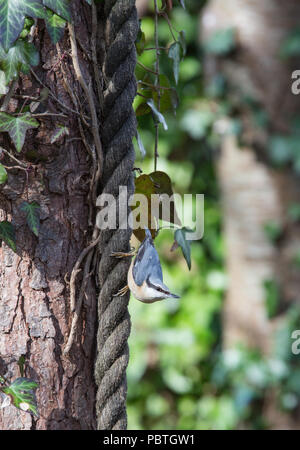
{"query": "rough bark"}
(34, 306)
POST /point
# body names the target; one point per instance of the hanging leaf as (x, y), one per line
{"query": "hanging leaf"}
(163, 185)
(7, 234)
(55, 25)
(22, 392)
(140, 42)
(19, 58)
(144, 185)
(60, 7)
(3, 174)
(32, 211)
(168, 97)
(59, 132)
(140, 144)
(17, 127)
(12, 14)
(157, 114)
(182, 42)
(175, 54)
(184, 244)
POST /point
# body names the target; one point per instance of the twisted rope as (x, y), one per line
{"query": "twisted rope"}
(119, 127)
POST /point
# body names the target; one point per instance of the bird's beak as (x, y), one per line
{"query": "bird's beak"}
(173, 295)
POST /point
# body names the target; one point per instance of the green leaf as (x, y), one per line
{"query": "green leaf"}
(142, 109)
(7, 234)
(272, 298)
(291, 45)
(280, 149)
(19, 58)
(163, 185)
(21, 363)
(59, 132)
(32, 211)
(60, 7)
(182, 42)
(17, 127)
(273, 231)
(55, 26)
(158, 115)
(174, 54)
(12, 16)
(294, 212)
(168, 99)
(144, 185)
(221, 42)
(3, 174)
(184, 244)
(140, 42)
(22, 391)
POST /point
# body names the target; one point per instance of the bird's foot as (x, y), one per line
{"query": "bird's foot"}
(122, 254)
(122, 291)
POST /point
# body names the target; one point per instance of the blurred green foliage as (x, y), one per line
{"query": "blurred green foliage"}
(178, 376)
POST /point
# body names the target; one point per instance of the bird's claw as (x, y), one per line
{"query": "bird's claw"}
(123, 254)
(122, 291)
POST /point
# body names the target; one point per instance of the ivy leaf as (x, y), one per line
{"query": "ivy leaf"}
(163, 185)
(12, 14)
(59, 132)
(17, 127)
(55, 25)
(7, 234)
(169, 99)
(18, 58)
(184, 244)
(144, 185)
(182, 42)
(158, 115)
(142, 109)
(272, 297)
(60, 7)
(174, 54)
(22, 392)
(3, 174)
(140, 42)
(32, 211)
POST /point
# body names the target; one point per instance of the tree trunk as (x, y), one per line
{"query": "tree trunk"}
(254, 194)
(35, 312)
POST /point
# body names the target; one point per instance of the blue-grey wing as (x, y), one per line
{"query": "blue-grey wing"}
(146, 263)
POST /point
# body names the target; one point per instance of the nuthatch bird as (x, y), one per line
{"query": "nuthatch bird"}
(145, 278)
